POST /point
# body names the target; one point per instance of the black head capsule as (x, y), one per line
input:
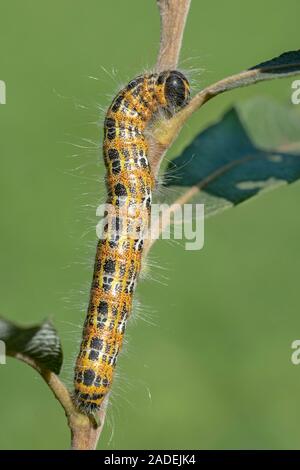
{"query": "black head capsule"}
(176, 89)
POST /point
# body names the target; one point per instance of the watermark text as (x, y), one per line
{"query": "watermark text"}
(2, 92)
(295, 98)
(138, 222)
(2, 352)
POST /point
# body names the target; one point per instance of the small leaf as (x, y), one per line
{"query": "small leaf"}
(40, 343)
(288, 62)
(228, 166)
(285, 65)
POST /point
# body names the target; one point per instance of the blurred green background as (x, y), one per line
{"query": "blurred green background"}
(207, 361)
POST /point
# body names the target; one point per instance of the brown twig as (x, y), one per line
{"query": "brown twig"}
(59, 390)
(85, 431)
(173, 14)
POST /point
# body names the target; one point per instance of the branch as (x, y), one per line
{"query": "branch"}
(85, 431)
(52, 380)
(173, 14)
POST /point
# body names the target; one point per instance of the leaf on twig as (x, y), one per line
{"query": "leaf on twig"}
(282, 66)
(40, 343)
(235, 159)
(286, 63)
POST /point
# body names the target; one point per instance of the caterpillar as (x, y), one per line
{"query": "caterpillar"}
(118, 257)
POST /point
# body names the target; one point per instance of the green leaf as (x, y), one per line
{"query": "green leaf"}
(235, 159)
(285, 65)
(39, 343)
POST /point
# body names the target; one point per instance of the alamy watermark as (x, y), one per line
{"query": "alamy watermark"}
(295, 357)
(137, 222)
(295, 98)
(2, 92)
(2, 352)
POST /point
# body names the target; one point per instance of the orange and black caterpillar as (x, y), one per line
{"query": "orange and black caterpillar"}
(118, 257)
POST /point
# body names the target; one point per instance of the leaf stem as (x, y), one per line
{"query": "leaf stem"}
(173, 15)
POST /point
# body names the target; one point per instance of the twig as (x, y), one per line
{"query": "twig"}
(173, 14)
(59, 390)
(85, 431)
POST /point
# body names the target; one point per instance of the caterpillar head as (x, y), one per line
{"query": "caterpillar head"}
(176, 90)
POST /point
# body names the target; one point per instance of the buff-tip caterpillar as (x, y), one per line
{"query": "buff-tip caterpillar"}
(118, 257)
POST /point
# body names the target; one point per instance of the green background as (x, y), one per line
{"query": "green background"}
(210, 366)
